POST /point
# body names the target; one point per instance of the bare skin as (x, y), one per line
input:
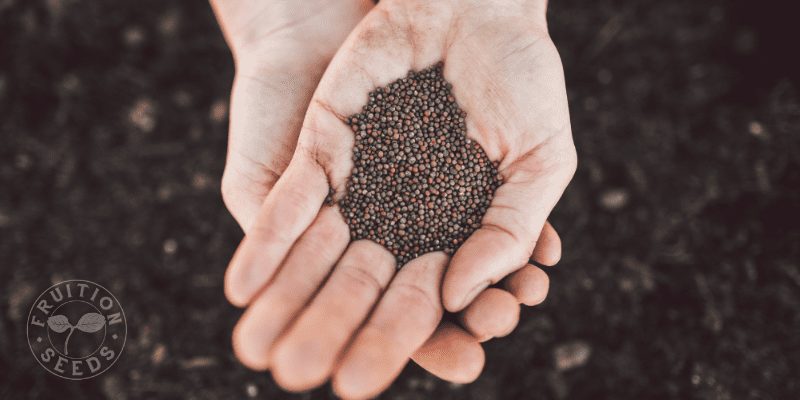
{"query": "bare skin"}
(299, 323)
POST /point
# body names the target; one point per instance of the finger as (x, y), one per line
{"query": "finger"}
(548, 247)
(286, 213)
(451, 354)
(529, 285)
(510, 227)
(405, 317)
(449, 343)
(494, 313)
(305, 356)
(304, 270)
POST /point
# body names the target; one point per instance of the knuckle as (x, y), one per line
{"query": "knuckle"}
(329, 228)
(522, 241)
(361, 280)
(416, 301)
(295, 197)
(366, 252)
(283, 296)
(267, 233)
(385, 334)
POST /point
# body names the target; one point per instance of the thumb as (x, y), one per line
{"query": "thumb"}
(511, 226)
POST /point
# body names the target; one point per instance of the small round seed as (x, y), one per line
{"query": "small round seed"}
(418, 183)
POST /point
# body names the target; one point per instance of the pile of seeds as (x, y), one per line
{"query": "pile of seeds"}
(418, 183)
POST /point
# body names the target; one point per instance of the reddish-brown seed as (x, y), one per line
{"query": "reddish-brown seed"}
(418, 183)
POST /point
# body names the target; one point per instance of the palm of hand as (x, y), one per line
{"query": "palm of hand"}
(530, 138)
(281, 52)
(507, 76)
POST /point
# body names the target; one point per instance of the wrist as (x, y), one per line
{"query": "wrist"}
(313, 26)
(533, 10)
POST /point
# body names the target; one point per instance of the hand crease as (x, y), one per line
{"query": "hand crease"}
(426, 298)
(506, 171)
(252, 42)
(327, 107)
(270, 171)
(502, 229)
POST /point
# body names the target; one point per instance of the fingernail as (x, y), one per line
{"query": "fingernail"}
(472, 294)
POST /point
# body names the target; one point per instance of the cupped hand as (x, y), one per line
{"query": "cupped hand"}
(281, 50)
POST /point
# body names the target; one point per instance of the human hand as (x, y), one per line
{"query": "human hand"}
(281, 49)
(280, 52)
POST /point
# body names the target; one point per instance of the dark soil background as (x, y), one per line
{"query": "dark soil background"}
(680, 276)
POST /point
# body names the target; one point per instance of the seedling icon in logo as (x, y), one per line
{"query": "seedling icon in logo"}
(76, 329)
(89, 323)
